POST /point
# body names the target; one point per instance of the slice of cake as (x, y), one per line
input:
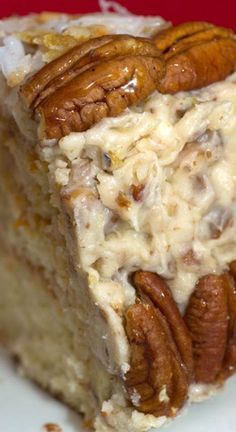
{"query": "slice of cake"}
(117, 211)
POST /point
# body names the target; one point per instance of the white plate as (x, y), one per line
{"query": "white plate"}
(25, 408)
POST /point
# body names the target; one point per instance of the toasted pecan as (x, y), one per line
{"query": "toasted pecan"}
(60, 66)
(104, 75)
(96, 79)
(191, 41)
(63, 69)
(229, 363)
(206, 317)
(137, 191)
(91, 95)
(232, 268)
(199, 66)
(167, 37)
(161, 357)
(158, 291)
(156, 382)
(196, 55)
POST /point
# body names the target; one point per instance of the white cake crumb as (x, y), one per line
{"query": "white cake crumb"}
(200, 392)
(163, 395)
(125, 367)
(135, 398)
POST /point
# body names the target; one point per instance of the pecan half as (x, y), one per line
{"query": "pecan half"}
(196, 55)
(96, 79)
(66, 67)
(60, 66)
(232, 268)
(91, 96)
(167, 37)
(206, 317)
(107, 74)
(229, 364)
(157, 381)
(158, 291)
(191, 41)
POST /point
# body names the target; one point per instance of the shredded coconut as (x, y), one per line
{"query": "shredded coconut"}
(163, 396)
(201, 392)
(14, 63)
(125, 367)
(112, 6)
(135, 398)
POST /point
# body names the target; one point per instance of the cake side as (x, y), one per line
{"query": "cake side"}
(150, 192)
(37, 227)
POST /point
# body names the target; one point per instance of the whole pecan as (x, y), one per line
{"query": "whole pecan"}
(63, 69)
(157, 381)
(105, 75)
(229, 363)
(232, 268)
(96, 79)
(206, 317)
(196, 54)
(159, 293)
(213, 33)
(91, 96)
(167, 37)
(59, 67)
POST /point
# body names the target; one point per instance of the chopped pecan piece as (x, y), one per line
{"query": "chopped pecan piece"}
(137, 191)
(161, 357)
(196, 55)
(206, 317)
(123, 201)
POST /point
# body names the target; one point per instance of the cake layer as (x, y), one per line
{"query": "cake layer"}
(45, 334)
(46, 311)
(45, 337)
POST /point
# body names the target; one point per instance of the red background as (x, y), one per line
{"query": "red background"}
(221, 12)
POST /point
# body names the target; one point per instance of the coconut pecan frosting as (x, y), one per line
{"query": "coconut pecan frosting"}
(107, 74)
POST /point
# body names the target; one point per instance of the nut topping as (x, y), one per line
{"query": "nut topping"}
(210, 318)
(91, 96)
(159, 293)
(229, 365)
(72, 63)
(107, 74)
(196, 55)
(192, 40)
(156, 365)
(232, 268)
(60, 66)
(97, 79)
(137, 191)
